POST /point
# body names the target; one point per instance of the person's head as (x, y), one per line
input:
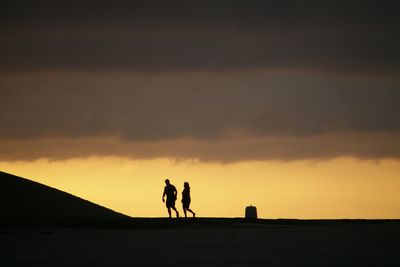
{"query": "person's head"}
(166, 181)
(186, 185)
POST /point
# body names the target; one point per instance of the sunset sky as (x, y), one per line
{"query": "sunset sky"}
(291, 106)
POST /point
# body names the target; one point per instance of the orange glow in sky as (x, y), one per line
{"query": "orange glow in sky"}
(338, 188)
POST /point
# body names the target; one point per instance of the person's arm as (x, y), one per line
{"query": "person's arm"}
(163, 196)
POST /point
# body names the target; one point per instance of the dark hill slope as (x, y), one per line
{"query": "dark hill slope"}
(24, 199)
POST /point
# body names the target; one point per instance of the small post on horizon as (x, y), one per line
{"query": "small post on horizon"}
(251, 213)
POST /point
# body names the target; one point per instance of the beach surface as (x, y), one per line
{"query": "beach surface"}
(204, 242)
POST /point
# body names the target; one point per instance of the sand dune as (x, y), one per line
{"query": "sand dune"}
(22, 199)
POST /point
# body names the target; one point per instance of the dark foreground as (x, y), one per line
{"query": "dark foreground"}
(201, 242)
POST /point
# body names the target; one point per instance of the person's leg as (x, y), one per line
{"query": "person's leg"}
(177, 213)
(187, 207)
(169, 212)
(184, 211)
(194, 214)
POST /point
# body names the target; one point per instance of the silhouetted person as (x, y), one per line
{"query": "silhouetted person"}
(186, 199)
(170, 192)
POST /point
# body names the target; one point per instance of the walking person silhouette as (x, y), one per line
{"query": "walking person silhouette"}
(171, 192)
(186, 199)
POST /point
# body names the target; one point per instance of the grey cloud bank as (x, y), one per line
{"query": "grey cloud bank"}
(358, 37)
(212, 110)
(261, 79)
(202, 106)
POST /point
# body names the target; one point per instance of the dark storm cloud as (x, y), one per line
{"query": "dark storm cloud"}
(212, 80)
(334, 36)
(202, 106)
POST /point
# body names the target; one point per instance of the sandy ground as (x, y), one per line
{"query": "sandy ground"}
(349, 244)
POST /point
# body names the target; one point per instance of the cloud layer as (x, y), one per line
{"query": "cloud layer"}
(357, 37)
(321, 147)
(216, 80)
(212, 110)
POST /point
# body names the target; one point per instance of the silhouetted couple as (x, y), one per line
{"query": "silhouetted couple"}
(171, 193)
